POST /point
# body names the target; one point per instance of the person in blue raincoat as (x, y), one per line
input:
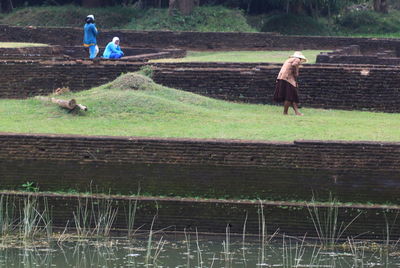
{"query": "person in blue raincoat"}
(89, 36)
(113, 50)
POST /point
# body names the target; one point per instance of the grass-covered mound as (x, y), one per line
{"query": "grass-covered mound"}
(69, 16)
(134, 105)
(20, 45)
(202, 19)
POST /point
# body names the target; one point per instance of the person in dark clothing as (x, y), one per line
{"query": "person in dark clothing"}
(286, 89)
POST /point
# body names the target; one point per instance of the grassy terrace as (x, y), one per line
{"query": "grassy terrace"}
(157, 111)
(19, 45)
(242, 56)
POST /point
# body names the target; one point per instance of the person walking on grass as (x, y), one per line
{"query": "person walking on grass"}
(89, 37)
(286, 89)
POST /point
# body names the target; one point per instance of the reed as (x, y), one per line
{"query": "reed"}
(6, 216)
(292, 254)
(199, 255)
(158, 250)
(104, 216)
(226, 246)
(358, 251)
(244, 240)
(325, 221)
(132, 208)
(82, 218)
(33, 221)
(187, 242)
(149, 243)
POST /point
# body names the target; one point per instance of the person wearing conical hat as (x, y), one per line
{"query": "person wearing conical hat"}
(286, 89)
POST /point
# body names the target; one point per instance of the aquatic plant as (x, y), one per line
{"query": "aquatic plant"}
(82, 218)
(33, 221)
(187, 243)
(149, 244)
(226, 246)
(132, 208)
(325, 221)
(199, 256)
(6, 215)
(105, 216)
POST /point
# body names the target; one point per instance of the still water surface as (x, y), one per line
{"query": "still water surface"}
(193, 252)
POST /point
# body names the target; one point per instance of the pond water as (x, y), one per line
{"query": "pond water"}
(190, 251)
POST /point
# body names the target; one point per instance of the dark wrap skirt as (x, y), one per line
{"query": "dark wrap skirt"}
(284, 91)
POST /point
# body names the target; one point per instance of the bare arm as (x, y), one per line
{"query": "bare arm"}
(296, 66)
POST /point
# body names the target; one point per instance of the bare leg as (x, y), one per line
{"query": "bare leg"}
(286, 106)
(296, 108)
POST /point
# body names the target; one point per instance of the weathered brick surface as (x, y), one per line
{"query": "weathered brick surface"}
(191, 40)
(61, 53)
(325, 155)
(354, 55)
(350, 171)
(213, 216)
(22, 79)
(321, 86)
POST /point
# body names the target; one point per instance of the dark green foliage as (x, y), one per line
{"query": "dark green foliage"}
(204, 19)
(295, 25)
(370, 22)
(70, 16)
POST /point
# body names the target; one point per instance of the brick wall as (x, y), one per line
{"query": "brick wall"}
(191, 40)
(21, 79)
(212, 216)
(354, 55)
(350, 171)
(320, 86)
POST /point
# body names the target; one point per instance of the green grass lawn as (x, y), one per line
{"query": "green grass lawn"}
(157, 111)
(242, 56)
(18, 45)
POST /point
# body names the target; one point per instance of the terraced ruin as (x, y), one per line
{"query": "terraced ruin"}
(203, 185)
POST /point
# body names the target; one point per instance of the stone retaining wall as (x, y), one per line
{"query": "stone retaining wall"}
(191, 40)
(346, 87)
(213, 216)
(354, 55)
(350, 171)
(22, 79)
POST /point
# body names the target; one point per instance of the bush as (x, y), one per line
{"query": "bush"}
(369, 22)
(295, 25)
(70, 16)
(204, 19)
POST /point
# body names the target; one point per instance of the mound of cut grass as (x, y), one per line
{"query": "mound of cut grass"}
(158, 111)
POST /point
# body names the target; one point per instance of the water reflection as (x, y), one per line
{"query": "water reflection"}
(194, 251)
